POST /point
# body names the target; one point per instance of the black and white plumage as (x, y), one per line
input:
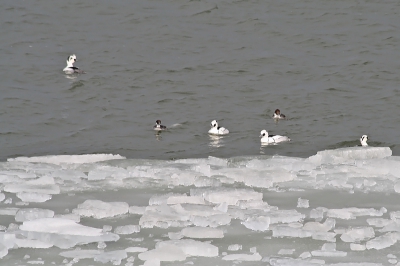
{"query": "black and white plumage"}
(277, 115)
(216, 130)
(158, 126)
(269, 139)
(70, 69)
(363, 140)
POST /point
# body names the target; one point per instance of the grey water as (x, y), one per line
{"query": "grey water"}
(332, 67)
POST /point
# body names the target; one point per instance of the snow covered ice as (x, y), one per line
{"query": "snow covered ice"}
(338, 207)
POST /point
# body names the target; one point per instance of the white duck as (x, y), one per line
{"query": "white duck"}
(363, 140)
(216, 130)
(70, 69)
(265, 138)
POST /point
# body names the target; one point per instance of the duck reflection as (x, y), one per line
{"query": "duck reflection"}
(158, 135)
(216, 141)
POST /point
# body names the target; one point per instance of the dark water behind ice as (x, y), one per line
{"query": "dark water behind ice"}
(331, 66)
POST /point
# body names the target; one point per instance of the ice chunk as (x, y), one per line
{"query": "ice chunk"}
(175, 235)
(114, 257)
(258, 181)
(33, 197)
(162, 199)
(191, 247)
(378, 222)
(296, 262)
(107, 228)
(235, 247)
(257, 223)
(384, 241)
(31, 243)
(353, 153)
(42, 185)
(214, 220)
(164, 253)
(164, 216)
(357, 247)
(303, 203)
(59, 226)
(231, 196)
(74, 217)
(352, 213)
(183, 178)
(222, 207)
(127, 229)
(202, 232)
(305, 255)
(256, 204)
(7, 240)
(289, 231)
(217, 161)
(397, 187)
(323, 253)
(391, 226)
(69, 175)
(9, 211)
(329, 224)
(68, 159)
(284, 216)
(243, 257)
(274, 176)
(185, 199)
(137, 210)
(358, 234)
(32, 214)
(204, 181)
(136, 249)
(151, 262)
(286, 251)
(100, 209)
(329, 250)
(325, 236)
(63, 233)
(318, 213)
(395, 216)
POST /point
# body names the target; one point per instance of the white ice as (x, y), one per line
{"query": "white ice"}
(164, 253)
(352, 213)
(258, 223)
(202, 232)
(358, 234)
(68, 159)
(63, 233)
(204, 205)
(100, 209)
(191, 247)
(303, 203)
(29, 214)
(33, 197)
(127, 229)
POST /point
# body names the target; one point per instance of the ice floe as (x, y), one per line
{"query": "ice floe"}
(205, 210)
(99, 209)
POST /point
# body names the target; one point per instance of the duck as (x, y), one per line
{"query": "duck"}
(277, 115)
(265, 138)
(216, 130)
(70, 69)
(158, 126)
(363, 140)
